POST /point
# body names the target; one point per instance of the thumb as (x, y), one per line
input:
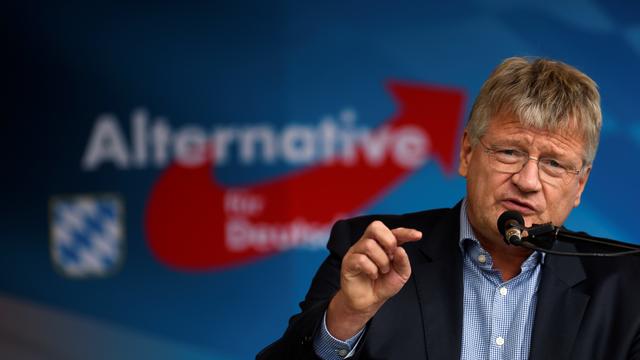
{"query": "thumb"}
(401, 263)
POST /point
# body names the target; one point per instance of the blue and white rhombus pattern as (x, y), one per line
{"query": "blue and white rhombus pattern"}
(86, 235)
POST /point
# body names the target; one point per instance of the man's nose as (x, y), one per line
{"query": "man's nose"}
(528, 178)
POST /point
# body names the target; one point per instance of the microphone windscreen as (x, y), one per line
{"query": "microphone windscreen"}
(506, 217)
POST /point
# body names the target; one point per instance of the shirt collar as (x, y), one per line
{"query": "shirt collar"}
(470, 245)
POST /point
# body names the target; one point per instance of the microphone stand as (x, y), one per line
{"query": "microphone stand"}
(542, 237)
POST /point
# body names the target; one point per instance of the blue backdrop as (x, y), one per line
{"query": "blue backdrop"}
(113, 245)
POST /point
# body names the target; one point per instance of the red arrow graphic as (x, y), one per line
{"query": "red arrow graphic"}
(193, 223)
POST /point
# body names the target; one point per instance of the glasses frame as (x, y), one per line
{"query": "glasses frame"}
(491, 152)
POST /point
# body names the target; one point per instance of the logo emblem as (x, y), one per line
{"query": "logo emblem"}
(86, 235)
(195, 223)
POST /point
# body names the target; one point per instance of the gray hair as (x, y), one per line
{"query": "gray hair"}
(541, 94)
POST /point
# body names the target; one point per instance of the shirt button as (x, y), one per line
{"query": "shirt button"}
(482, 259)
(500, 341)
(503, 291)
(342, 352)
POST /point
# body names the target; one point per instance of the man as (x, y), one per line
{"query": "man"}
(443, 284)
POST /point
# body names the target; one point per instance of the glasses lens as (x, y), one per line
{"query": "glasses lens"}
(505, 163)
(554, 177)
(512, 162)
(552, 168)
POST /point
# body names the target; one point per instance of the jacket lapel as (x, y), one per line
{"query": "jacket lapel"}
(560, 306)
(437, 272)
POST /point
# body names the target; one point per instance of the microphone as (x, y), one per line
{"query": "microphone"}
(543, 236)
(510, 225)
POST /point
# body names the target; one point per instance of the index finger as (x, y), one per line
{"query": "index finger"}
(379, 232)
(405, 235)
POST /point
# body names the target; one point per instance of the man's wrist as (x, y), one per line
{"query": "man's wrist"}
(342, 321)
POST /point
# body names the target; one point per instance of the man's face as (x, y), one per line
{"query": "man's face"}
(490, 192)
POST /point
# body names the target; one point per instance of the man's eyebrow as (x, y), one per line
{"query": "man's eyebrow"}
(510, 142)
(548, 150)
(553, 151)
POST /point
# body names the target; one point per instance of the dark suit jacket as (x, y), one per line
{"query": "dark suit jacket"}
(587, 308)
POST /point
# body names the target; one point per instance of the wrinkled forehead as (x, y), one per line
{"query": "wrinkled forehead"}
(568, 132)
(530, 118)
(568, 127)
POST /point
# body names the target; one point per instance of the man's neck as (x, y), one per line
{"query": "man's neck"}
(507, 259)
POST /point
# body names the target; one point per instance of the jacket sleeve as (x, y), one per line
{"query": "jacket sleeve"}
(297, 341)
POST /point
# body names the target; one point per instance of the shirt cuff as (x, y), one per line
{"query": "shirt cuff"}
(328, 347)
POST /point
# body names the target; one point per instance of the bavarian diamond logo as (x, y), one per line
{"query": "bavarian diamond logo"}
(86, 235)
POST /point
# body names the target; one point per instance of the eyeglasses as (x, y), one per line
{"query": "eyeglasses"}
(512, 161)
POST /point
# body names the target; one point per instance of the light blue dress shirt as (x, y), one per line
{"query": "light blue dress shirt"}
(497, 315)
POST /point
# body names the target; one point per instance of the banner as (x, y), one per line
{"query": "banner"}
(173, 170)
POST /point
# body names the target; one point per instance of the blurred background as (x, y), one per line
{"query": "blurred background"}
(172, 168)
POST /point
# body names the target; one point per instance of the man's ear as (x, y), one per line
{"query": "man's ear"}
(465, 154)
(582, 182)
